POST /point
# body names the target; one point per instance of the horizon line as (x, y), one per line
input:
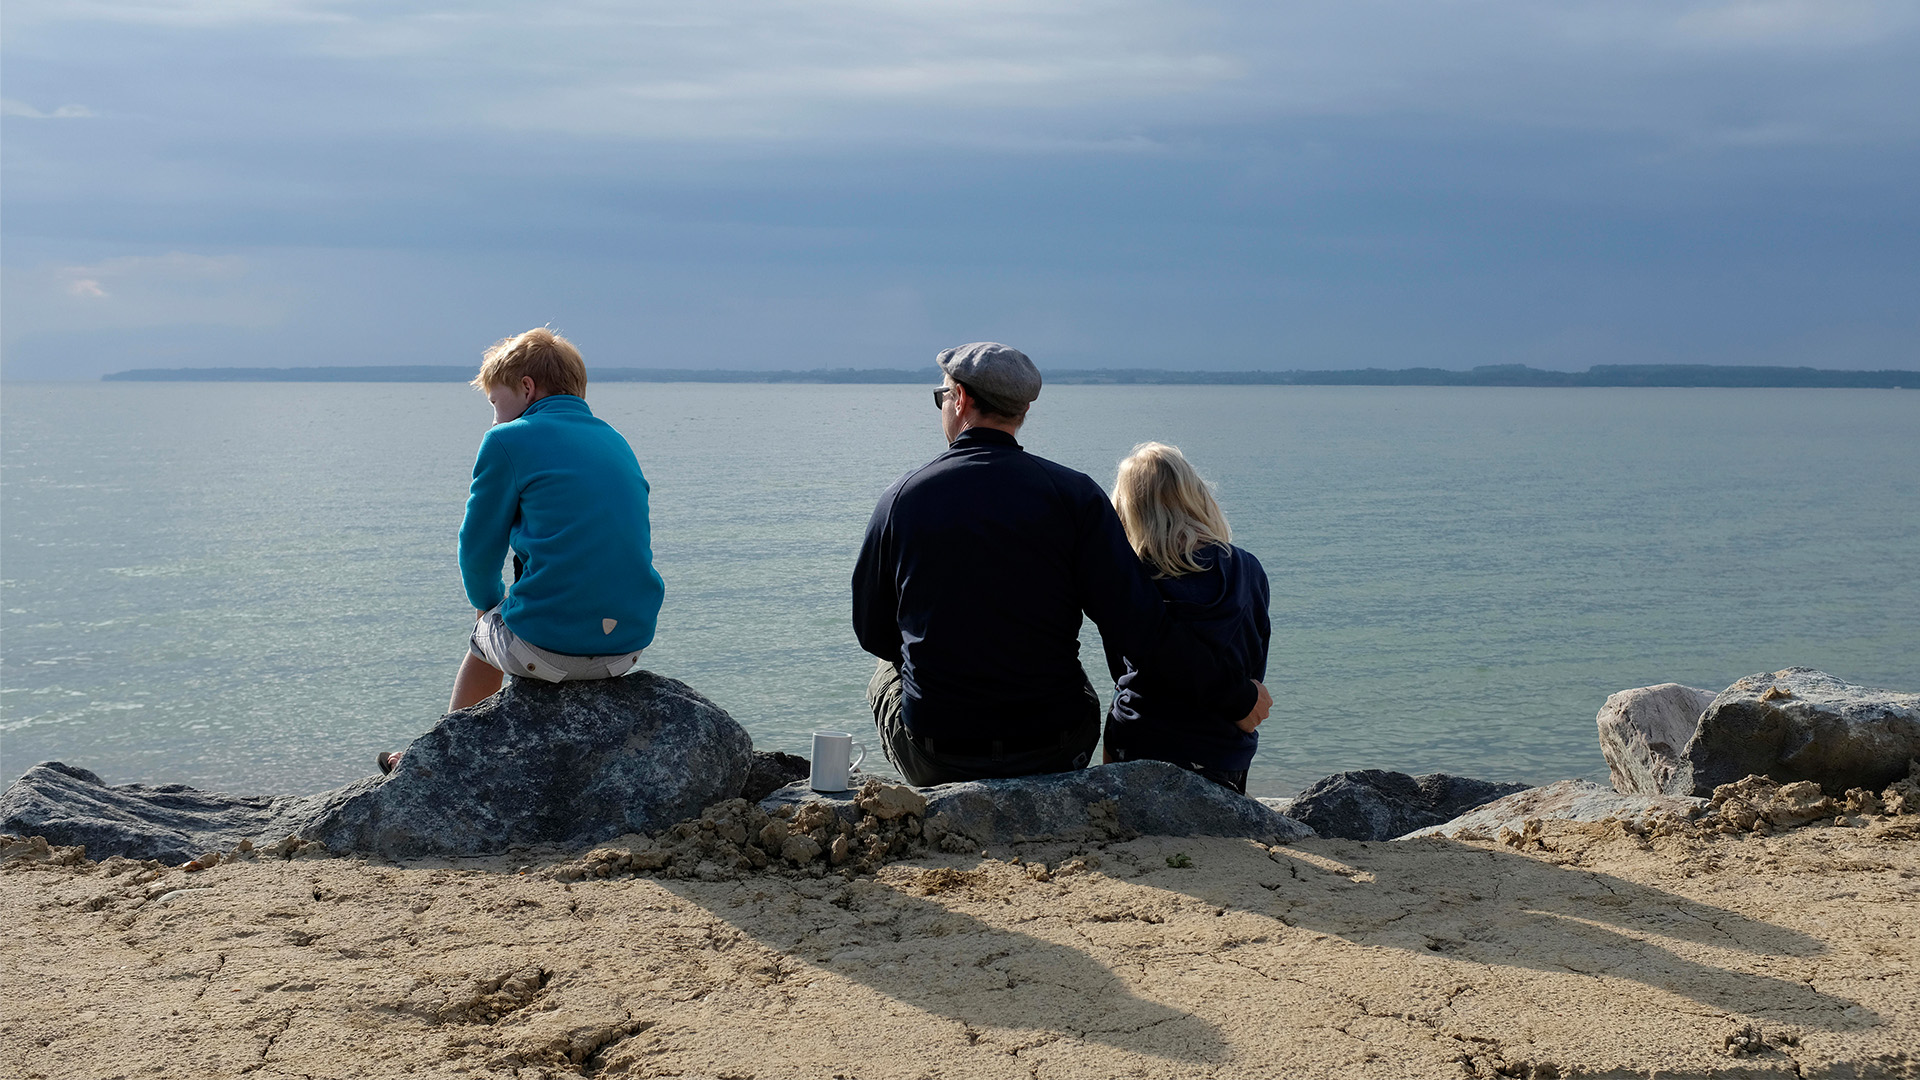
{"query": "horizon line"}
(1598, 375)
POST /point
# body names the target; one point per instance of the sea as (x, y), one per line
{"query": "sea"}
(251, 587)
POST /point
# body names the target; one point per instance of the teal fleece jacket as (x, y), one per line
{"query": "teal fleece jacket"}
(564, 491)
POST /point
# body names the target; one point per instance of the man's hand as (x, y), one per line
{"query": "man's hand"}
(1262, 705)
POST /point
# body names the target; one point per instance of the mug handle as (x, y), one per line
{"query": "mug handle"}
(851, 769)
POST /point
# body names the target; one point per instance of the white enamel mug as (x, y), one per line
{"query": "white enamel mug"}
(831, 767)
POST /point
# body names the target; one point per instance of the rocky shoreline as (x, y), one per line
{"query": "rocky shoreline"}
(575, 764)
(1127, 920)
(572, 764)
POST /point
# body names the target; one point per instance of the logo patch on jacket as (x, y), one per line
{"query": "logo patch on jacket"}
(607, 625)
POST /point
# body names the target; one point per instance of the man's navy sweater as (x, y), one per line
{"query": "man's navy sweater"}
(973, 576)
(1225, 605)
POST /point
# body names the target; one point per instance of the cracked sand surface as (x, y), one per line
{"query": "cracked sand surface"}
(1602, 954)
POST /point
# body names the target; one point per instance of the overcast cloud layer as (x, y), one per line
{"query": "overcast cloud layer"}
(1212, 185)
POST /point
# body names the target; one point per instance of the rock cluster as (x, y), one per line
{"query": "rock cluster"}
(1104, 802)
(1762, 804)
(1774, 750)
(579, 764)
(738, 837)
(1793, 724)
(1373, 804)
(170, 822)
(1751, 805)
(797, 830)
(538, 763)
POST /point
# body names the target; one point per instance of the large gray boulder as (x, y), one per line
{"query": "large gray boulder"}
(1567, 800)
(538, 763)
(549, 763)
(1134, 798)
(1372, 804)
(1643, 733)
(1802, 724)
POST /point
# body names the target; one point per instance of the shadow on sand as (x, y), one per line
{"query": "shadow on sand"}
(918, 951)
(1499, 907)
(1489, 907)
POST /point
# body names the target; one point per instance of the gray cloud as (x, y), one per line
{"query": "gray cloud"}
(1332, 184)
(851, 70)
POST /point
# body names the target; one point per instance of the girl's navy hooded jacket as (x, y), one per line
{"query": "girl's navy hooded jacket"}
(1225, 606)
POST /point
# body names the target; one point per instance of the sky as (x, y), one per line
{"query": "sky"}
(1270, 185)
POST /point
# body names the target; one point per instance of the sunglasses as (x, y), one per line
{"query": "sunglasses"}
(940, 397)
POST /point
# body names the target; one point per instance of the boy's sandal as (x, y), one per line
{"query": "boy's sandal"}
(387, 761)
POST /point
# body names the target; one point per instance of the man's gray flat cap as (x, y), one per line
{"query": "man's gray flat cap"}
(997, 370)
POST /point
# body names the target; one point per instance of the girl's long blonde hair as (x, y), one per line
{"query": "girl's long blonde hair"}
(1168, 511)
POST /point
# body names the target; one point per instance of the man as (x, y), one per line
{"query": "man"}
(970, 587)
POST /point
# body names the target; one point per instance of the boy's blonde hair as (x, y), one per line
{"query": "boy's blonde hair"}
(1168, 511)
(546, 357)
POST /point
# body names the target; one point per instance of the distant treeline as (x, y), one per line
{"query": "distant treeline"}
(1491, 375)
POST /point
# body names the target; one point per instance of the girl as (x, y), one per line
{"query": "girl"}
(1219, 590)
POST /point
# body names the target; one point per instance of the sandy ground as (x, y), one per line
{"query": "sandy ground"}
(1597, 954)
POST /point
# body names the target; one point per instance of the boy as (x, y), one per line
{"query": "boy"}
(563, 491)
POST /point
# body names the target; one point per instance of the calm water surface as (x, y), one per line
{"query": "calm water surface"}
(252, 587)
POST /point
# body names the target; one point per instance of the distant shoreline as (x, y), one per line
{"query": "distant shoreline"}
(1605, 375)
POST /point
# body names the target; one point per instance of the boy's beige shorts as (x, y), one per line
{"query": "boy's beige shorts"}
(501, 647)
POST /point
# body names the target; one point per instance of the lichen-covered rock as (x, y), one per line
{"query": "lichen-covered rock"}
(572, 763)
(1803, 724)
(1567, 800)
(1643, 734)
(1372, 804)
(1107, 801)
(548, 763)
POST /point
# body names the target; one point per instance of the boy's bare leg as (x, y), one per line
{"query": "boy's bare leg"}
(476, 682)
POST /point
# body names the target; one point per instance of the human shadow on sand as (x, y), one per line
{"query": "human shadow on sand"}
(917, 950)
(1503, 908)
